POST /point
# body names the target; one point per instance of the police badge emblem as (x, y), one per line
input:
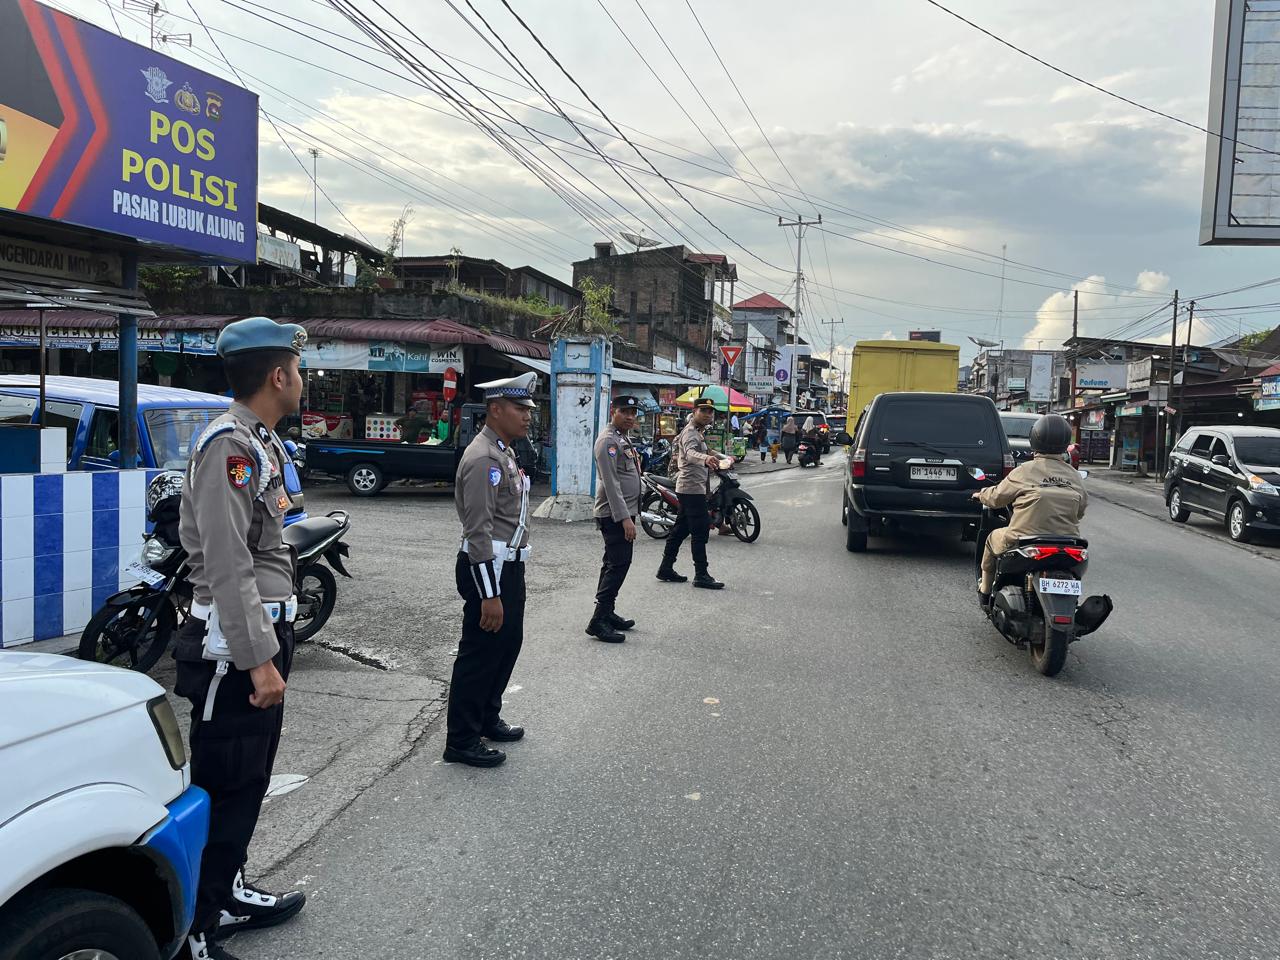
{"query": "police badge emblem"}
(213, 105)
(158, 84)
(495, 476)
(186, 99)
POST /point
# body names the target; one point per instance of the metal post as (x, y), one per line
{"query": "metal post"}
(1160, 425)
(128, 372)
(44, 364)
(1075, 347)
(799, 223)
(1186, 352)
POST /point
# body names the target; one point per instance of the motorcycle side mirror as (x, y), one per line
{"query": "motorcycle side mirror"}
(1084, 474)
(977, 473)
(843, 439)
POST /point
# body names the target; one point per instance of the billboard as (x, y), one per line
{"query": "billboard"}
(1040, 386)
(1243, 145)
(104, 133)
(1102, 376)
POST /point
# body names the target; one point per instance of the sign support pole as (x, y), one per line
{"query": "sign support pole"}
(127, 358)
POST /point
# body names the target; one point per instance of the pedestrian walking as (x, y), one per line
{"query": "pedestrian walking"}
(761, 437)
(693, 484)
(790, 438)
(617, 505)
(234, 652)
(491, 494)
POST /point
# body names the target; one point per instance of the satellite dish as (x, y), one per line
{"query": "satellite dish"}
(640, 241)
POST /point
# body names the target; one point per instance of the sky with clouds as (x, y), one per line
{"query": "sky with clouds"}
(925, 145)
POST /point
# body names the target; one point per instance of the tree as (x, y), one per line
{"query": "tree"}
(1251, 340)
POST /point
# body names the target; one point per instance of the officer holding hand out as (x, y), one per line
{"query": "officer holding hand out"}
(693, 485)
(617, 506)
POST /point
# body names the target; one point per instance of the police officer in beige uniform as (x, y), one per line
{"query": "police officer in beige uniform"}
(693, 484)
(617, 506)
(1047, 495)
(491, 494)
(235, 651)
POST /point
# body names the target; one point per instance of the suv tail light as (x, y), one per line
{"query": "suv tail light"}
(1009, 463)
(858, 463)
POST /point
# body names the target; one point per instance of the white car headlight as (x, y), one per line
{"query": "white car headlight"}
(1258, 485)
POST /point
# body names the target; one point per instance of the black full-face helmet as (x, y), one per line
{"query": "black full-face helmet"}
(1051, 434)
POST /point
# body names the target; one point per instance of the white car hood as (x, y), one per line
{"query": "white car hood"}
(42, 692)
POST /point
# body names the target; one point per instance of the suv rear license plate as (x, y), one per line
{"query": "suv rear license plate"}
(1067, 588)
(933, 473)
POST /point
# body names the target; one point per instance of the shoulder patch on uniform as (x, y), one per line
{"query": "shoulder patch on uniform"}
(213, 430)
(264, 434)
(495, 476)
(239, 471)
(502, 445)
(613, 451)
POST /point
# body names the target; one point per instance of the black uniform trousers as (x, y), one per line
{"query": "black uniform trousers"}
(618, 551)
(485, 660)
(231, 758)
(693, 523)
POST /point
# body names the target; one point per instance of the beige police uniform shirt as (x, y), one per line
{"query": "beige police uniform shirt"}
(693, 456)
(617, 476)
(491, 496)
(1047, 495)
(231, 525)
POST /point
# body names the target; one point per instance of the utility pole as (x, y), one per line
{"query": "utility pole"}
(315, 185)
(1186, 353)
(1075, 347)
(831, 352)
(799, 223)
(1161, 424)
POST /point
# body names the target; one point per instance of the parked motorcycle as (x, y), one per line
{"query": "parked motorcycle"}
(1035, 597)
(808, 452)
(655, 456)
(134, 626)
(728, 503)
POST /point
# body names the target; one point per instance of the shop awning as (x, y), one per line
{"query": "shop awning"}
(621, 375)
(24, 294)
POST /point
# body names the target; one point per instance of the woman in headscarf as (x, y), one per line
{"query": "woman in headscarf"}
(810, 433)
(790, 438)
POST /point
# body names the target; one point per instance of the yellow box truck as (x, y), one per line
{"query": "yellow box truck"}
(883, 366)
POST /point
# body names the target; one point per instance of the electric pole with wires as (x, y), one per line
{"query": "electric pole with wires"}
(799, 223)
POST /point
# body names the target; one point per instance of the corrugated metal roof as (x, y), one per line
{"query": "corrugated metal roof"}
(761, 301)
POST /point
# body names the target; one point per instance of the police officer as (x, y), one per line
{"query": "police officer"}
(235, 650)
(617, 505)
(491, 494)
(693, 484)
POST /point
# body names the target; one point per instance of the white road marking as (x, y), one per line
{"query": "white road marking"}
(282, 783)
(693, 796)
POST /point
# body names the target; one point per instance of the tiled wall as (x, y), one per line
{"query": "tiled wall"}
(65, 539)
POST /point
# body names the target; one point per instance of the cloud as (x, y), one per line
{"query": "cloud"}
(888, 335)
(1099, 311)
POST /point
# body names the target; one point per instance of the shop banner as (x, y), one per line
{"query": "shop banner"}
(1130, 410)
(1040, 389)
(1270, 387)
(1102, 376)
(759, 385)
(382, 356)
(104, 133)
(1094, 420)
(1266, 403)
(59, 337)
(64, 263)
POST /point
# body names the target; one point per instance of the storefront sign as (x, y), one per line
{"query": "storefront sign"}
(1130, 410)
(63, 263)
(1094, 420)
(1267, 403)
(1101, 376)
(59, 337)
(386, 356)
(1017, 383)
(1270, 387)
(108, 134)
(280, 252)
(667, 396)
(759, 385)
(1138, 375)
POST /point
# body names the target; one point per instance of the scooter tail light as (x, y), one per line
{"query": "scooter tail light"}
(858, 463)
(1059, 618)
(1078, 554)
(1038, 553)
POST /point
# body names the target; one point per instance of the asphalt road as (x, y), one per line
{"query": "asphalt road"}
(834, 757)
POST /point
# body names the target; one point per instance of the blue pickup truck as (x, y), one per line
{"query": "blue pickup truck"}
(168, 418)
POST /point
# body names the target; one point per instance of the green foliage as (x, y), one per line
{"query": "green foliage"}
(169, 279)
(532, 307)
(597, 298)
(1251, 340)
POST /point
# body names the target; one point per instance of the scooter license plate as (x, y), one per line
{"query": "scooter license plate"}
(1067, 588)
(140, 571)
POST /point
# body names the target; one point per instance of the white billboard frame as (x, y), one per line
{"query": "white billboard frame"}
(1223, 156)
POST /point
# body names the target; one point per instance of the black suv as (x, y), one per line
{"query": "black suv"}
(911, 463)
(1229, 473)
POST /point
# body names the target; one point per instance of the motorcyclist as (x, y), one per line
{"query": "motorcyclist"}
(1046, 493)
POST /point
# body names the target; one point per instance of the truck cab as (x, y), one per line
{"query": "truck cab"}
(101, 830)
